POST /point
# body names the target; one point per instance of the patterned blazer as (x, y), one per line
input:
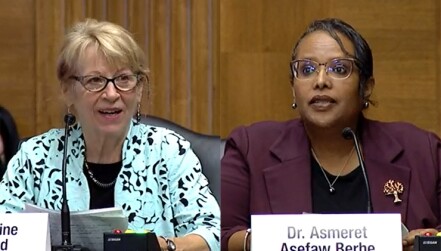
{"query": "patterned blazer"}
(160, 186)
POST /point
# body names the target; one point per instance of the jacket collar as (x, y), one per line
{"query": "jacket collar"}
(291, 142)
(77, 148)
(382, 152)
(288, 182)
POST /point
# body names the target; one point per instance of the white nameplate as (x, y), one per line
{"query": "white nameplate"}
(19, 231)
(326, 232)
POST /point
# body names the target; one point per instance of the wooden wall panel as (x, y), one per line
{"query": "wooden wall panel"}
(49, 25)
(17, 56)
(74, 11)
(438, 62)
(138, 25)
(173, 34)
(160, 57)
(138, 22)
(96, 9)
(217, 64)
(403, 37)
(256, 39)
(214, 68)
(200, 65)
(116, 12)
(180, 61)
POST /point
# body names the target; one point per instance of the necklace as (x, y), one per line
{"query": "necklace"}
(97, 182)
(331, 185)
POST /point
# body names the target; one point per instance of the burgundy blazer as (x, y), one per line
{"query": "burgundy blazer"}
(266, 169)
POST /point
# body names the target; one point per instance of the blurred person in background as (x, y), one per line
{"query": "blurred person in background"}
(9, 139)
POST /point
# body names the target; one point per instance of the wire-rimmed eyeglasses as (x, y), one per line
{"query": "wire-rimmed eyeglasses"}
(337, 68)
(97, 83)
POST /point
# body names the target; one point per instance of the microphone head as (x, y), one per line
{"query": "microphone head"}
(69, 119)
(347, 133)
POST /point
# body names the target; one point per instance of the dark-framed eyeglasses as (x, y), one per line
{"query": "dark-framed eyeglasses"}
(97, 83)
(337, 68)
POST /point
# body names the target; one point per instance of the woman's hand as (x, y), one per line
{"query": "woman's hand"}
(409, 239)
(190, 242)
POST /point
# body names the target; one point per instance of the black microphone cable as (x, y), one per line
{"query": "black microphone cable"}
(66, 245)
(348, 133)
(69, 119)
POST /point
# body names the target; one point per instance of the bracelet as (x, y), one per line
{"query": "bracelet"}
(245, 239)
(171, 246)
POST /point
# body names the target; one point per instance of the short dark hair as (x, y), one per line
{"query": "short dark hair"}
(363, 53)
(9, 134)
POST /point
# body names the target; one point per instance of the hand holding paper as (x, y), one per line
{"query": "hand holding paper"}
(87, 227)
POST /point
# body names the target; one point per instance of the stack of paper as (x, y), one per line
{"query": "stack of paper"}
(87, 227)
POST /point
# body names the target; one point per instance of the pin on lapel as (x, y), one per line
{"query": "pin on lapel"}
(392, 187)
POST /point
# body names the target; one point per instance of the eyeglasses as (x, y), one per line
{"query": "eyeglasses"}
(337, 68)
(97, 83)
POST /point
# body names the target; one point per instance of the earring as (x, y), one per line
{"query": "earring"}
(138, 114)
(366, 104)
(294, 105)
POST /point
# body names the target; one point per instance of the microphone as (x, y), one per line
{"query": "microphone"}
(348, 133)
(66, 245)
(69, 119)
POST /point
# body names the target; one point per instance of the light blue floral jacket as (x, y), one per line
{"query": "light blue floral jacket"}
(160, 186)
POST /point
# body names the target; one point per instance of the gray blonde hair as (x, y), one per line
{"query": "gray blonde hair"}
(113, 41)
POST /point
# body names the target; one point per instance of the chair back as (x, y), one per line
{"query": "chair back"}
(206, 147)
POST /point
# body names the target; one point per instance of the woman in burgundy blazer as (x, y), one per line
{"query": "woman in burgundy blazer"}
(305, 165)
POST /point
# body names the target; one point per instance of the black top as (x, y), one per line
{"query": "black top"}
(105, 173)
(349, 195)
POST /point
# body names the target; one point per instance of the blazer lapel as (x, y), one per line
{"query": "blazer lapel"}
(381, 152)
(289, 182)
(385, 179)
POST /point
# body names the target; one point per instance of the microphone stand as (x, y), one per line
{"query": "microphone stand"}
(348, 133)
(66, 245)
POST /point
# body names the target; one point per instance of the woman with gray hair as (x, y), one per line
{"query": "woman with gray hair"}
(149, 172)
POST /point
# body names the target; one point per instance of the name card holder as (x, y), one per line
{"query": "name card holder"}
(131, 242)
(24, 231)
(336, 232)
(427, 243)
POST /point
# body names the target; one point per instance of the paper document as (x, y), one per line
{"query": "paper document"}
(87, 227)
(404, 230)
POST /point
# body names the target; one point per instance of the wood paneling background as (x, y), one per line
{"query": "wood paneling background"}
(256, 39)
(17, 62)
(179, 38)
(218, 64)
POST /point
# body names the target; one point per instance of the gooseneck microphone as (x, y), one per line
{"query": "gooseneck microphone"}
(66, 244)
(348, 133)
(69, 119)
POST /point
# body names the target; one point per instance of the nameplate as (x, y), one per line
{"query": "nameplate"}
(24, 231)
(326, 232)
